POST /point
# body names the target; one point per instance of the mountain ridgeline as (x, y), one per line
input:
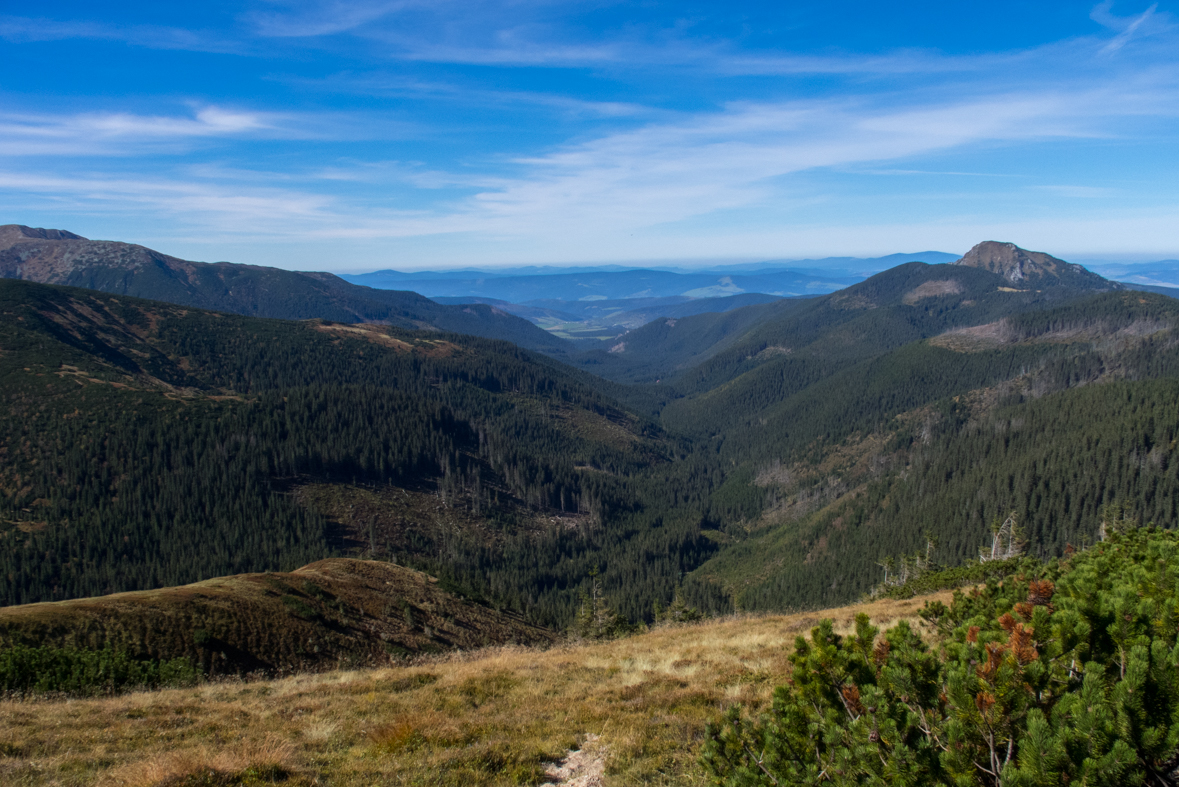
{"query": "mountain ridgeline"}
(60, 257)
(768, 457)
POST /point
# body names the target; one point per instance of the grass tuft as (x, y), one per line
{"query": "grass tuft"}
(268, 761)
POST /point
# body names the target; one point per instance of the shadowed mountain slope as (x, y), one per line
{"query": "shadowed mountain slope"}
(58, 257)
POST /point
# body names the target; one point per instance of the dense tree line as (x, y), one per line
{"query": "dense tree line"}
(1053, 461)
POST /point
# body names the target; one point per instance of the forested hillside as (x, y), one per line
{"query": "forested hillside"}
(1049, 415)
(147, 445)
(793, 449)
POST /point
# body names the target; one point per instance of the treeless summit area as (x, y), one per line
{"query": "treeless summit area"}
(1031, 268)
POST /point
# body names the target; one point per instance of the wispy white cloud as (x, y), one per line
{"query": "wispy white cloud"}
(635, 175)
(523, 33)
(19, 29)
(672, 172)
(632, 181)
(1077, 192)
(219, 217)
(294, 19)
(230, 208)
(939, 173)
(1126, 27)
(385, 84)
(112, 132)
(129, 134)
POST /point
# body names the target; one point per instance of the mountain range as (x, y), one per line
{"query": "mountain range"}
(60, 257)
(765, 457)
(612, 284)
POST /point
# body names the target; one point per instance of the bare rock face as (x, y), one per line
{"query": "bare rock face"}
(60, 257)
(1031, 269)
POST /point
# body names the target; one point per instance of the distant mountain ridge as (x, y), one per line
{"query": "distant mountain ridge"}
(52, 256)
(587, 285)
(909, 302)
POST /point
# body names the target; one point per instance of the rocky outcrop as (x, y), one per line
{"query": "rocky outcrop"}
(1032, 269)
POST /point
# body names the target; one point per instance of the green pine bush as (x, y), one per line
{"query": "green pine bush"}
(1067, 673)
(47, 669)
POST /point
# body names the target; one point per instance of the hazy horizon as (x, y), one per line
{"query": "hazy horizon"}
(365, 135)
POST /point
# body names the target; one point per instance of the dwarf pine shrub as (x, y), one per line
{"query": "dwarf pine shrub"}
(41, 669)
(1065, 674)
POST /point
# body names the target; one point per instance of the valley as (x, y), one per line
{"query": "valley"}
(196, 497)
(533, 394)
(764, 457)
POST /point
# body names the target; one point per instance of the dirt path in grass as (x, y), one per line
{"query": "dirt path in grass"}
(584, 767)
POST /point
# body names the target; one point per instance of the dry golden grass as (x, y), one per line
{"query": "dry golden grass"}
(489, 717)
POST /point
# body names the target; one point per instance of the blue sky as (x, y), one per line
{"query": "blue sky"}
(359, 135)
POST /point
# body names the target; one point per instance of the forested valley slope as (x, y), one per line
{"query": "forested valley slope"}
(147, 444)
(771, 457)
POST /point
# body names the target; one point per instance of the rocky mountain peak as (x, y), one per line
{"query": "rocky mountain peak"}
(1031, 268)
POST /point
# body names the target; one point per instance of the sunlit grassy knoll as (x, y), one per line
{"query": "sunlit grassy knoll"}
(331, 613)
(486, 717)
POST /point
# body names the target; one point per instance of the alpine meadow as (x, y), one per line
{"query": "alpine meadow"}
(567, 416)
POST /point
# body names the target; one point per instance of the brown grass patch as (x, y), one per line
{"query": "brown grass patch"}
(933, 289)
(377, 334)
(251, 762)
(498, 716)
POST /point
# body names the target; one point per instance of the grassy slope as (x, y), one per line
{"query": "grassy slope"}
(486, 718)
(330, 612)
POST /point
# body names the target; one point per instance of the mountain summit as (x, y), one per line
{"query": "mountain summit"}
(1032, 268)
(17, 233)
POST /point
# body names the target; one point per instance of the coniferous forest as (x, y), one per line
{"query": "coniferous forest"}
(776, 466)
